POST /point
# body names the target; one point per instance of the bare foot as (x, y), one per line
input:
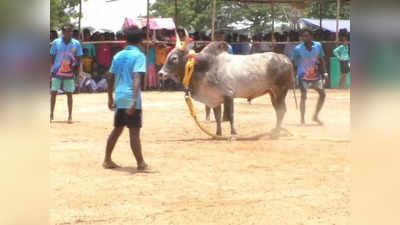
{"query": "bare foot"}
(275, 133)
(303, 123)
(316, 119)
(51, 117)
(69, 119)
(143, 167)
(109, 165)
(207, 118)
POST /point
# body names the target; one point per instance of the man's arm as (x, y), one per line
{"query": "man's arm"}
(136, 86)
(110, 90)
(322, 61)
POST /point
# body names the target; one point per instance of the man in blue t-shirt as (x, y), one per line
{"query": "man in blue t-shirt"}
(127, 69)
(65, 57)
(308, 58)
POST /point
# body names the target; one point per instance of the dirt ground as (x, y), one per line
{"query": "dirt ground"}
(299, 180)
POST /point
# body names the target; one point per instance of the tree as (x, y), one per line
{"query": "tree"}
(62, 11)
(197, 14)
(328, 10)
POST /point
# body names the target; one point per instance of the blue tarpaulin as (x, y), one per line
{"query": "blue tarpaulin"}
(327, 24)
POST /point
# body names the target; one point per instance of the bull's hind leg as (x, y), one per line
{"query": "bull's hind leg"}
(278, 97)
(217, 115)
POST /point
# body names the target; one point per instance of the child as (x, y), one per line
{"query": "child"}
(342, 52)
(151, 68)
(87, 61)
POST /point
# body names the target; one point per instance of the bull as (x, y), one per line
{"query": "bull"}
(219, 77)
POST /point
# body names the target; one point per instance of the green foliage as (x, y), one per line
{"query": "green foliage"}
(191, 13)
(197, 14)
(62, 11)
(328, 10)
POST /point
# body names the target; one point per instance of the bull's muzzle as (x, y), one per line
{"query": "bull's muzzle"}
(162, 75)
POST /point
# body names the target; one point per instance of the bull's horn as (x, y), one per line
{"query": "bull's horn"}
(178, 40)
(187, 39)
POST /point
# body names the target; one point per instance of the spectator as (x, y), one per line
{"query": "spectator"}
(103, 53)
(152, 81)
(342, 53)
(116, 47)
(66, 53)
(245, 47)
(53, 35)
(89, 46)
(289, 48)
(76, 35)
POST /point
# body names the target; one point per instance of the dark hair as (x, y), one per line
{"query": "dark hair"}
(306, 31)
(67, 25)
(134, 35)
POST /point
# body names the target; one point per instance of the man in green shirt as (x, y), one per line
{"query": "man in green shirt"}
(342, 53)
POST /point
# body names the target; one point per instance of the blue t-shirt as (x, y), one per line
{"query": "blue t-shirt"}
(307, 61)
(125, 63)
(65, 57)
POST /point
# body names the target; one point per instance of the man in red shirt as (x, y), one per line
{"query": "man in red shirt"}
(103, 53)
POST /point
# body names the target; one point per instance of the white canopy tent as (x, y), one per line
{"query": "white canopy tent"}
(110, 15)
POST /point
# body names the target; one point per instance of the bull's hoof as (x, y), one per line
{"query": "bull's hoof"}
(232, 138)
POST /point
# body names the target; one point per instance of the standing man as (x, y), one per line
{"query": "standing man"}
(127, 69)
(65, 57)
(308, 57)
(342, 53)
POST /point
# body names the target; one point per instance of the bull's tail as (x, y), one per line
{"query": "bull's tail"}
(294, 87)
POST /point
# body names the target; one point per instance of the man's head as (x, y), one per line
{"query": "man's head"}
(75, 34)
(67, 31)
(120, 36)
(344, 39)
(306, 35)
(53, 35)
(86, 34)
(102, 37)
(134, 35)
(85, 52)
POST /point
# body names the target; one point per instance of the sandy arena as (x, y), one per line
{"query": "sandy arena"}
(300, 180)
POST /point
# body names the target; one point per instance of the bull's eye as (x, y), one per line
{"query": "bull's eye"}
(174, 59)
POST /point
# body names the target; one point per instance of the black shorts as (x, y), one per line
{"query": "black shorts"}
(122, 119)
(313, 84)
(344, 67)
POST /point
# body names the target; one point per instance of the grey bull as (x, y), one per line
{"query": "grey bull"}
(220, 77)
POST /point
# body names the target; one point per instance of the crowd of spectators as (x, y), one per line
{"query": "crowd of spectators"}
(100, 47)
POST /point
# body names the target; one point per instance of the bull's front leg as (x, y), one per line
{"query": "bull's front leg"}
(229, 105)
(217, 115)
